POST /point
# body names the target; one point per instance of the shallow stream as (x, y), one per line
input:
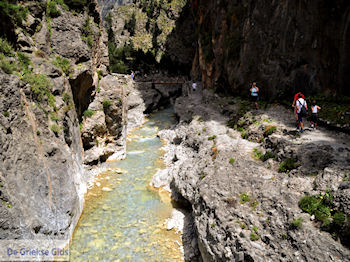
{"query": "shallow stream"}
(123, 216)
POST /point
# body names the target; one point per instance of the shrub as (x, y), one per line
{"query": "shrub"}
(270, 130)
(106, 103)
(232, 160)
(257, 153)
(99, 74)
(254, 236)
(55, 128)
(254, 204)
(14, 12)
(212, 137)
(23, 60)
(6, 114)
(63, 63)
(5, 47)
(62, 4)
(119, 67)
(38, 132)
(7, 66)
(309, 204)
(319, 206)
(130, 25)
(89, 113)
(288, 165)
(54, 117)
(51, 9)
(297, 223)
(40, 86)
(339, 219)
(66, 97)
(255, 228)
(87, 33)
(244, 198)
(268, 155)
(244, 135)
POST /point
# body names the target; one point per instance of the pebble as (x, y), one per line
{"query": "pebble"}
(256, 245)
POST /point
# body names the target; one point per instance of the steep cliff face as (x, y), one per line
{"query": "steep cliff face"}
(107, 5)
(149, 36)
(47, 80)
(284, 46)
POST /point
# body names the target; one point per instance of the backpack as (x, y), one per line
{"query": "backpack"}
(303, 110)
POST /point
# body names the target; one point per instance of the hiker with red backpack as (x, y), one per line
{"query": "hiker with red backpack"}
(296, 97)
(301, 109)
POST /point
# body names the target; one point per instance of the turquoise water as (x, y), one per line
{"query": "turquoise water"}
(126, 223)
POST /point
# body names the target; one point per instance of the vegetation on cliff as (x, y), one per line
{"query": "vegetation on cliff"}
(138, 34)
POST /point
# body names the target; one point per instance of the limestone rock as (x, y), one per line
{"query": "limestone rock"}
(289, 57)
(36, 163)
(215, 187)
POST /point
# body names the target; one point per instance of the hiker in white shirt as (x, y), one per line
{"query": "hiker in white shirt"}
(194, 86)
(314, 110)
(300, 103)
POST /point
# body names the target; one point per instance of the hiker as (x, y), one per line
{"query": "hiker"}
(296, 96)
(132, 75)
(301, 111)
(314, 110)
(254, 91)
(194, 86)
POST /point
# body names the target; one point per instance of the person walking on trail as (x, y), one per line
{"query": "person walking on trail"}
(314, 110)
(132, 75)
(296, 96)
(254, 91)
(194, 86)
(301, 111)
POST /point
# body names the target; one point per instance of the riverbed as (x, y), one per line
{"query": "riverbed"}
(123, 217)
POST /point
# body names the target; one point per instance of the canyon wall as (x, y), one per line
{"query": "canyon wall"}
(285, 46)
(51, 66)
(151, 36)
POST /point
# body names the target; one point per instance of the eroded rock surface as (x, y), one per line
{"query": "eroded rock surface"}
(41, 174)
(104, 131)
(41, 103)
(243, 208)
(285, 46)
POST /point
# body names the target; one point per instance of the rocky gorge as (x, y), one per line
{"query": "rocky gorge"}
(247, 185)
(245, 207)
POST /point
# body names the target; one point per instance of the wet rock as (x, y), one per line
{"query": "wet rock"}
(161, 179)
